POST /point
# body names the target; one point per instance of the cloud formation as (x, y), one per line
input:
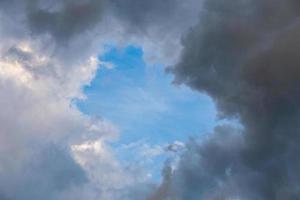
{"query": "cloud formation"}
(39, 123)
(63, 19)
(244, 54)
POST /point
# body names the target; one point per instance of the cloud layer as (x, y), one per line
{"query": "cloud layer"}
(244, 54)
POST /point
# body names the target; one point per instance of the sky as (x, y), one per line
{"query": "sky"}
(150, 112)
(141, 99)
(149, 100)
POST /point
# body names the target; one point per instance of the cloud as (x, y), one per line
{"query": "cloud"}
(47, 174)
(244, 54)
(64, 19)
(68, 26)
(141, 15)
(204, 168)
(39, 123)
(107, 176)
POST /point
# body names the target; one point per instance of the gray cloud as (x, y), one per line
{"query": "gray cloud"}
(142, 15)
(244, 54)
(49, 173)
(74, 29)
(64, 19)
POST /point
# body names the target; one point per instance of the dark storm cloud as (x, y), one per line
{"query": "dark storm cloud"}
(65, 19)
(139, 14)
(68, 19)
(245, 55)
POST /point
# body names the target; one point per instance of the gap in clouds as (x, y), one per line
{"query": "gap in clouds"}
(150, 112)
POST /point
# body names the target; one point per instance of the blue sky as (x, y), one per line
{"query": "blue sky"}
(143, 103)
